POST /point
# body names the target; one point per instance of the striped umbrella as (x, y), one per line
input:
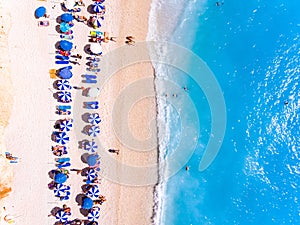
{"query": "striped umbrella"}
(93, 215)
(98, 7)
(91, 146)
(63, 85)
(62, 138)
(65, 96)
(97, 22)
(94, 131)
(61, 189)
(94, 119)
(93, 192)
(61, 216)
(91, 174)
(66, 125)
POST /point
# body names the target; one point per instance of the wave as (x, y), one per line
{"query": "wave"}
(167, 21)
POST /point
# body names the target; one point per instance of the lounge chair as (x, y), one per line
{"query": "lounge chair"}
(44, 23)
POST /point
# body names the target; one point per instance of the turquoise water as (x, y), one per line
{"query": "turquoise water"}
(253, 48)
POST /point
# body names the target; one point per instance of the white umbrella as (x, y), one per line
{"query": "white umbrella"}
(93, 192)
(93, 92)
(70, 4)
(96, 48)
(97, 22)
(66, 125)
(94, 119)
(94, 131)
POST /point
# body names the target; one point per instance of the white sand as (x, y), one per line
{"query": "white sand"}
(31, 124)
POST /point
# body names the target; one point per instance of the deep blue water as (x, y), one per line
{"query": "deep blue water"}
(253, 48)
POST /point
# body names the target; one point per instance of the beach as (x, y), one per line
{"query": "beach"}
(28, 133)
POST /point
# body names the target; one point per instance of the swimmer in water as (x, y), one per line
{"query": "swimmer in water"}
(187, 168)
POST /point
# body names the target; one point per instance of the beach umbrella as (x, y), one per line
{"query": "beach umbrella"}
(94, 215)
(67, 17)
(97, 22)
(65, 73)
(98, 7)
(66, 45)
(40, 11)
(87, 203)
(94, 131)
(91, 146)
(60, 178)
(92, 160)
(94, 118)
(93, 192)
(93, 92)
(61, 216)
(63, 85)
(62, 138)
(66, 125)
(69, 4)
(91, 174)
(60, 189)
(64, 27)
(64, 96)
(96, 48)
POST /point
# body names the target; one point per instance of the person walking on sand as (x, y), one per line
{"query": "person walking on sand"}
(130, 40)
(114, 151)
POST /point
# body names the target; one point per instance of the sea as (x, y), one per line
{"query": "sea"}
(252, 50)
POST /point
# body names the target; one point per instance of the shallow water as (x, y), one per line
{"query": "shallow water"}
(253, 50)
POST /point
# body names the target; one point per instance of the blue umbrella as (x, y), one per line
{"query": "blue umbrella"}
(98, 7)
(64, 96)
(93, 192)
(61, 216)
(94, 131)
(66, 125)
(94, 119)
(40, 11)
(93, 215)
(91, 174)
(62, 138)
(60, 178)
(66, 45)
(87, 203)
(92, 160)
(91, 146)
(60, 190)
(64, 27)
(65, 73)
(63, 85)
(67, 17)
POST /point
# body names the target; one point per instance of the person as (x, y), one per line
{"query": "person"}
(114, 151)
(77, 222)
(78, 171)
(74, 62)
(187, 168)
(9, 156)
(64, 171)
(286, 102)
(113, 39)
(67, 209)
(129, 40)
(94, 181)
